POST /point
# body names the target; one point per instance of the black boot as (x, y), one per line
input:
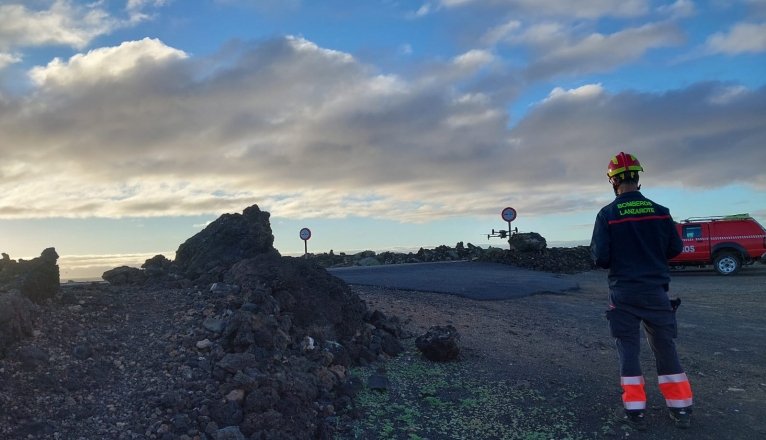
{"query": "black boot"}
(634, 419)
(682, 417)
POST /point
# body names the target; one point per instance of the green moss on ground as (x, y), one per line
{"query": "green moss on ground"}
(437, 401)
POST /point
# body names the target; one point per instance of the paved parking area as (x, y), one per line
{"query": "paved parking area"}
(479, 281)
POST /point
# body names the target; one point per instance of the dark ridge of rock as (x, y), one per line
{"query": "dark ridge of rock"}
(530, 252)
(229, 239)
(556, 260)
(155, 270)
(37, 279)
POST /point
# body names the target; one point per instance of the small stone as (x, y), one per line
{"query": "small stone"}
(378, 382)
(236, 396)
(204, 344)
(214, 325)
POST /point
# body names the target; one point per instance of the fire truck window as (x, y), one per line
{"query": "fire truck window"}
(693, 231)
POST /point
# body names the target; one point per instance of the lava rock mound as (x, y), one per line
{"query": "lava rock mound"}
(229, 239)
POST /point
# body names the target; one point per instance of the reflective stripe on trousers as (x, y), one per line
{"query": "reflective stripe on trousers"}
(676, 389)
(633, 397)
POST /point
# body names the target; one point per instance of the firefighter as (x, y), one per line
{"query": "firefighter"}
(634, 237)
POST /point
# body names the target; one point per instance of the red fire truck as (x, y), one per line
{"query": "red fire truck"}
(726, 242)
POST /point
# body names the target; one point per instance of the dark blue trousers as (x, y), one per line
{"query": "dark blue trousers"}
(652, 309)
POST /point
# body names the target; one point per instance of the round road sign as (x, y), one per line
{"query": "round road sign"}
(509, 214)
(305, 234)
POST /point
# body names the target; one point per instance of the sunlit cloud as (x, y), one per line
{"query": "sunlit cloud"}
(63, 23)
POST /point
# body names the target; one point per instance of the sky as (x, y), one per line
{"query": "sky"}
(127, 126)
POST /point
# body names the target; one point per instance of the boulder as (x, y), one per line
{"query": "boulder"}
(229, 239)
(124, 275)
(157, 266)
(439, 343)
(527, 242)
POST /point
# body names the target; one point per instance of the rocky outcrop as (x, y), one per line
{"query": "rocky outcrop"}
(37, 279)
(229, 239)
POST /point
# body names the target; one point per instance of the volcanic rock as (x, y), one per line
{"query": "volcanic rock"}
(527, 242)
(124, 275)
(37, 279)
(229, 239)
(319, 304)
(439, 343)
(157, 266)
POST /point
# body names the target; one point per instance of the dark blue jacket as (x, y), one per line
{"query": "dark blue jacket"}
(634, 238)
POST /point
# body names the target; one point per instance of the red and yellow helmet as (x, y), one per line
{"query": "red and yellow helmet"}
(623, 166)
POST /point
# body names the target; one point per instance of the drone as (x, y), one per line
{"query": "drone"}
(502, 233)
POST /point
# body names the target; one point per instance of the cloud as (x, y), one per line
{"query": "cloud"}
(421, 12)
(742, 38)
(588, 91)
(573, 8)
(556, 51)
(109, 63)
(684, 138)
(62, 24)
(679, 9)
(143, 129)
(7, 59)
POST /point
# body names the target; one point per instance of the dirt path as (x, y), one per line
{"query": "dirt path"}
(560, 345)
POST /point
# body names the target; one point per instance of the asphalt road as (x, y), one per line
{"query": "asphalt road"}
(479, 281)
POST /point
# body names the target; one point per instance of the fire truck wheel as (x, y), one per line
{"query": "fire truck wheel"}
(727, 263)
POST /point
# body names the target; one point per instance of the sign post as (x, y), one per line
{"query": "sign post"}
(305, 235)
(509, 215)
